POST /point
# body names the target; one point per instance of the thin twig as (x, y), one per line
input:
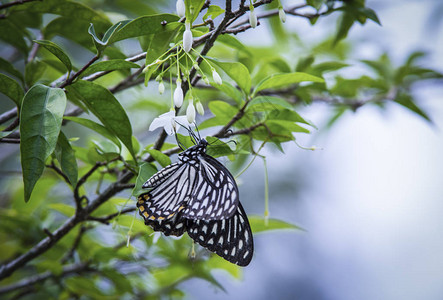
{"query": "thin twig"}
(74, 246)
(106, 219)
(59, 172)
(77, 74)
(18, 2)
(77, 268)
(6, 116)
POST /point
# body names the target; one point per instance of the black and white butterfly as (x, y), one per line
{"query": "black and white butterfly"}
(198, 195)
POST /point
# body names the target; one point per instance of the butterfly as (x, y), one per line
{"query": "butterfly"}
(198, 195)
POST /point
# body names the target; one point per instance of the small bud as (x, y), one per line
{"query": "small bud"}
(146, 69)
(187, 38)
(180, 7)
(216, 77)
(282, 14)
(178, 95)
(161, 88)
(190, 111)
(253, 19)
(200, 108)
(205, 80)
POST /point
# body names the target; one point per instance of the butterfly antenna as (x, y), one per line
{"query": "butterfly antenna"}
(178, 141)
(198, 132)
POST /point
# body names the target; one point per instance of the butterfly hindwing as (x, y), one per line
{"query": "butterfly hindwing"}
(215, 195)
(230, 238)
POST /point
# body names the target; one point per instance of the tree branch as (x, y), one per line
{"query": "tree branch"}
(77, 268)
(18, 2)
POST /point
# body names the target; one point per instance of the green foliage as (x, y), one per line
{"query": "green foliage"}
(41, 117)
(57, 55)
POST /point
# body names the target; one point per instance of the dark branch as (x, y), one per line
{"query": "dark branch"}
(18, 2)
(77, 268)
(105, 220)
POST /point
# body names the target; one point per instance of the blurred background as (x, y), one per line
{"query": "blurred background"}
(370, 199)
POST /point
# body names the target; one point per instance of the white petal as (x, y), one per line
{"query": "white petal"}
(178, 95)
(282, 14)
(190, 112)
(161, 87)
(164, 121)
(216, 77)
(187, 40)
(253, 19)
(180, 7)
(200, 108)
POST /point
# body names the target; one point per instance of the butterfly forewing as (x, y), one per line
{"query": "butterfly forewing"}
(230, 238)
(161, 176)
(171, 195)
(215, 195)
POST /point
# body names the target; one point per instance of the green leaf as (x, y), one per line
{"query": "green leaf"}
(230, 91)
(234, 43)
(107, 149)
(66, 157)
(193, 7)
(237, 71)
(286, 125)
(161, 158)
(145, 172)
(34, 71)
(11, 34)
(217, 148)
(97, 128)
(11, 88)
(41, 118)
(145, 25)
(77, 30)
(281, 80)
(65, 209)
(57, 51)
(102, 103)
(258, 225)
(109, 65)
(223, 113)
(287, 115)
(9, 68)
(265, 103)
(345, 23)
(5, 133)
(370, 14)
(213, 11)
(66, 8)
(407, 101)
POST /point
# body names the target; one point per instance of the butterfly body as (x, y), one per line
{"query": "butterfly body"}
(198, 195)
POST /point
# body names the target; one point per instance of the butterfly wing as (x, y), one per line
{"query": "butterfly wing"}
(170, 192)
(215, 195)
(230, 238)
(173, 226)
(161, 176)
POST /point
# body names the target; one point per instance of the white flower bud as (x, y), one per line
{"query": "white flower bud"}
(282, 14)
(200, 108)
(205, 80)
(178, 95)
(187, 38)
(161, 88)
(253, 19)
(216, 77)
(180, 7)
(190, 111)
